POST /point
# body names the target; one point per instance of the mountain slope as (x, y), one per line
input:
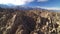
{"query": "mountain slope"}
(29, 21)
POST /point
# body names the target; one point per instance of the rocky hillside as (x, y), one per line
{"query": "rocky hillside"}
(29, 22)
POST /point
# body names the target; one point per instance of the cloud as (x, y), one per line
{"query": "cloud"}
(15, 2)
(53, 8)
(49, 8)
(42, 0)
(19, 2)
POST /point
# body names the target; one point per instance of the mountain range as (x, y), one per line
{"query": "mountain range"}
(24, 7)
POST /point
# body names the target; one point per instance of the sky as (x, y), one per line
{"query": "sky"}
(46, 4)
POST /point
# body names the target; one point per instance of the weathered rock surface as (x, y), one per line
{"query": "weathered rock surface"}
(29, 22)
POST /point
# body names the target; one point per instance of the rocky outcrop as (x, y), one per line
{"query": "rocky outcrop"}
(29, 22)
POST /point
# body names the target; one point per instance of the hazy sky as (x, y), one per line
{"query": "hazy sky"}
(48, 4)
